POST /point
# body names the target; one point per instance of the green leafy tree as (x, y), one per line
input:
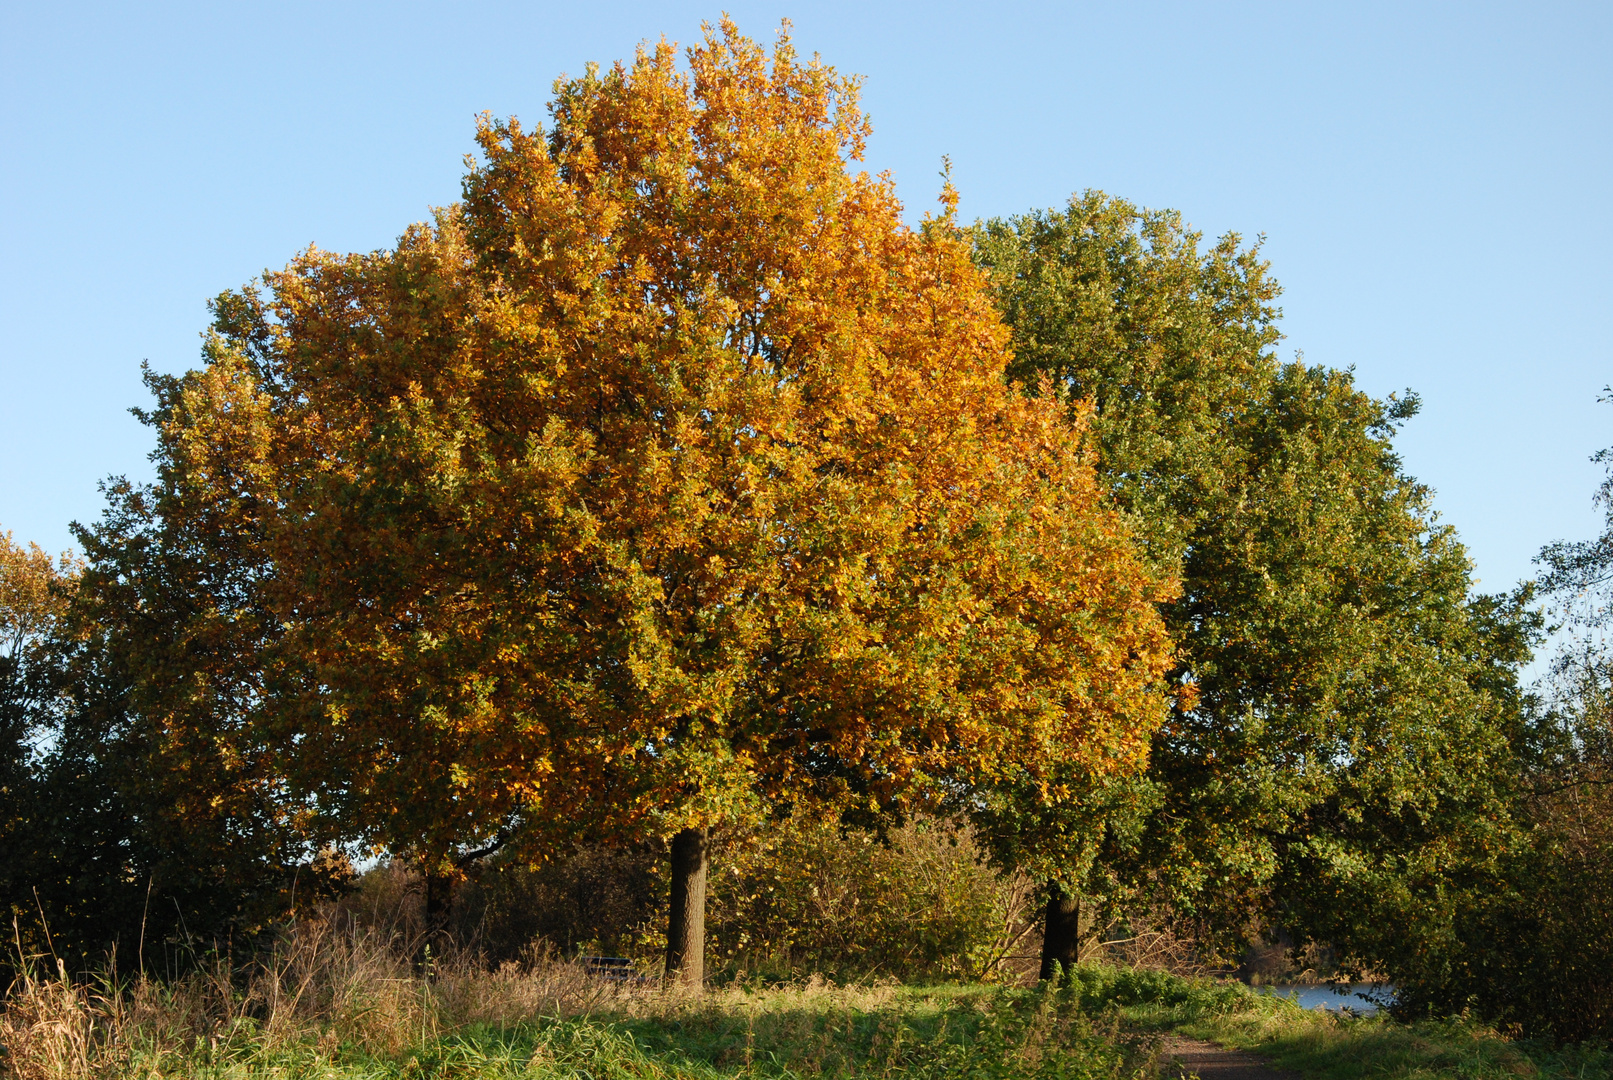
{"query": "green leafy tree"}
(1516, 926)
(137, 819)
(1350, 703)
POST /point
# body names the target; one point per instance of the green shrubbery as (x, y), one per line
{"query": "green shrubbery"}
(1099, 986)
(917, 903)
(1525, 939)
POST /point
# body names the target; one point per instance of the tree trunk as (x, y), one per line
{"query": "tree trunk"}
(1061, 936)
(686, 931)
(439, 898)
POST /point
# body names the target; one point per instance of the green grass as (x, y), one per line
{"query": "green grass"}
(920, 1035)
(811, 1031)
(1105, 1025)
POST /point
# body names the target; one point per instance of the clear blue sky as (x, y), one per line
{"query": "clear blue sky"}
(1433, 181)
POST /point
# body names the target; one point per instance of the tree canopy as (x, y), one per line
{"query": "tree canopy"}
(1352, 698)
(668, 477)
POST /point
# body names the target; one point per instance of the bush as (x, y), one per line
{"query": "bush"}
(918, 903)
(1529, 947)
(595, 901)
(1517, 929)
(801, 897)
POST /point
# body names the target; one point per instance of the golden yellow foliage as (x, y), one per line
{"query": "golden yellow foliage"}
(669, 474)
(31, 594)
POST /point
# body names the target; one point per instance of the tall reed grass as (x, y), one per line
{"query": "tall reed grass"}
(335, 998)
(327, 984)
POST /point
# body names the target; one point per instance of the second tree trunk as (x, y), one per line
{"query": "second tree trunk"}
(686, 929)
(1061, 936)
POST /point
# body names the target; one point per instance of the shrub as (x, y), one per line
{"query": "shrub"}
(801, 897)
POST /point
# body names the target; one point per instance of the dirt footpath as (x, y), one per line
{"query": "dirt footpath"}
(1181, 1057)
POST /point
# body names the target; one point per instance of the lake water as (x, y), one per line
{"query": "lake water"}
(1362, 997)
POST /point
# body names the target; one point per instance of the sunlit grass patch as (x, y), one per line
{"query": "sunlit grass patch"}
(346, 1007)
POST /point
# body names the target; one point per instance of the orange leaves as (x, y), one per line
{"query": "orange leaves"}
(669, 474)
(34, 592)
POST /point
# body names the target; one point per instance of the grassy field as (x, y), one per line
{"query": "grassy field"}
(345, 1004)
(339, 1006)
(812, 1030)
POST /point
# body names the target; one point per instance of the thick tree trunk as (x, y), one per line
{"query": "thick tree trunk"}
(686, 930)
(1061, 936)
(439, 899)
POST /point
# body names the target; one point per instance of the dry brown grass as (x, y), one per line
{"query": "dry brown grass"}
(337, 997)
(327, 982)
(332, 987)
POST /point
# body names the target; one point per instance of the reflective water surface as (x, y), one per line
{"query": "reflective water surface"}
(1362, 997)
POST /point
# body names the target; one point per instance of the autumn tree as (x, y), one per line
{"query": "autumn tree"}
(667, 481)
(1353, 704)
(34, 591)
